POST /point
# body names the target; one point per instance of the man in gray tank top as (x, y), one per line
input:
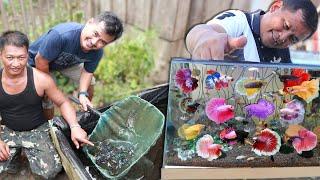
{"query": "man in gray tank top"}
(23, 126)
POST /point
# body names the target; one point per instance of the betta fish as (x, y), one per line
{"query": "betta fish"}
(286, 77)
(249, 87)
(292, 113)
(184, 80)
(301, 75)
(218, 111)
(189, 132)
(212, 79)
(228, 135)
(308, 90)
(254, 84)
(262, 109)
(192, 108)
(223, 82)
(289, 114)
(187, 105)
(206, 148)
(267, 143)
(305, 141)
(217, 80)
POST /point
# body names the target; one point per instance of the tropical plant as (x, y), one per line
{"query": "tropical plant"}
(125, 66)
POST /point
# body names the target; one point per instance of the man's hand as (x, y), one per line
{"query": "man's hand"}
(4, 151)
(210, 41)
(85, 102)
(79, 137)
(215, 47)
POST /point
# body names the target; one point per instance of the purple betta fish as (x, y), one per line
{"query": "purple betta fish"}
(262, 109)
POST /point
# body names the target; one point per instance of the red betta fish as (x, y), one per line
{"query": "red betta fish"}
(184, 80)
(302, 76)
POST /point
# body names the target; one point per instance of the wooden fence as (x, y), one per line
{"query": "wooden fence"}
(34, 17)
(172, 19)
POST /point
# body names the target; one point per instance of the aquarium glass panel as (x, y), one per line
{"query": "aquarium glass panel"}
(241, 114)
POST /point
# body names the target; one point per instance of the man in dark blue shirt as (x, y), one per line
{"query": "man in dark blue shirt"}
(75, 50)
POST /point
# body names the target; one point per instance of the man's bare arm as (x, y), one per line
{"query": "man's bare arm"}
(41, 63)
(78, 135)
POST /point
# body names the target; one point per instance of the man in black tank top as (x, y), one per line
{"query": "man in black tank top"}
(23, 126)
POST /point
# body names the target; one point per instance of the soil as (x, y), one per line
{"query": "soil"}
(250, 159)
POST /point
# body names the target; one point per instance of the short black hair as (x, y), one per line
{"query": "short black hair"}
(15, 38)
(113, 25)
(309, 12)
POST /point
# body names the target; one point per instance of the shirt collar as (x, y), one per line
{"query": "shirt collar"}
(255, 21)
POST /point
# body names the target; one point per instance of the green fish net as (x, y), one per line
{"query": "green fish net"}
(123, 134)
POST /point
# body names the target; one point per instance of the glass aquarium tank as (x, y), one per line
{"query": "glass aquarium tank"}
(231, 114)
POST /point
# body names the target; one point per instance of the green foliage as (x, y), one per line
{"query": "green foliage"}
(64, 83)
(125, 66)
(46, 14)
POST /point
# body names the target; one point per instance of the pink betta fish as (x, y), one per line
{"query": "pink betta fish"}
(228, 135)
(218, 111)
(305, 141)
(206, 148)
(185, 81)
(262, 110)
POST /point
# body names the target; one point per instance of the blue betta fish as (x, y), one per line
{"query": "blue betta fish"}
(211, 79)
